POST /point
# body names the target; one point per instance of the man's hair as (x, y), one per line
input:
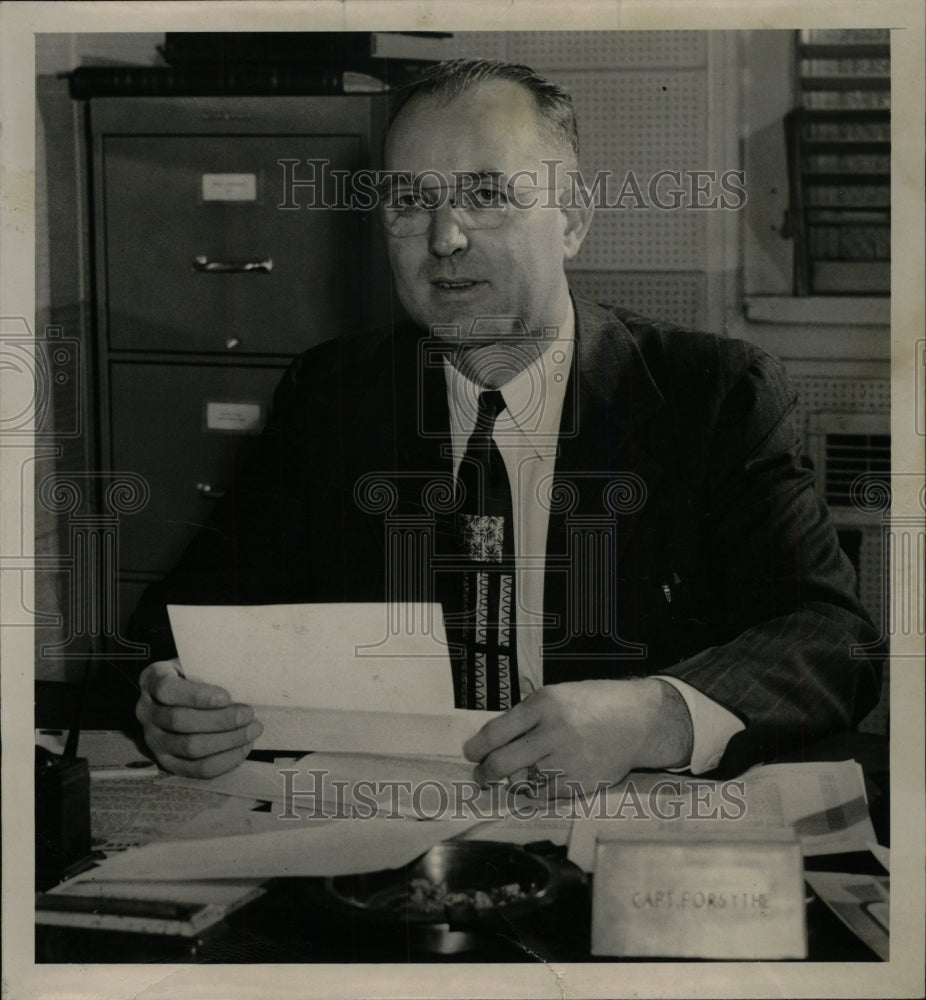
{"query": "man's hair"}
(449, 79)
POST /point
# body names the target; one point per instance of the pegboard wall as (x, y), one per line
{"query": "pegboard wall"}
(546, 50)
(478, 45)
(644, 123)
(641, 99)
(873, 574)
(608, 49)
(831, 394)
(678, 298)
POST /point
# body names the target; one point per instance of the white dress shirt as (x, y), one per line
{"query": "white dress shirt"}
(526, 433)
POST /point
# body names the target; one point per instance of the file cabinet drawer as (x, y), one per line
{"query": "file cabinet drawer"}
(199, 257)
(186, 429)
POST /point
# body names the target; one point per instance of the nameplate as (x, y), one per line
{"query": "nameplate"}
(229, 187)
(735, 895)
(239, 418)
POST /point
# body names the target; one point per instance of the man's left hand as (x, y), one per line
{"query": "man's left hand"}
(585, 733)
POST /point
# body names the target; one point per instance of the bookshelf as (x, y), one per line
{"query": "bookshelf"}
(839, 151)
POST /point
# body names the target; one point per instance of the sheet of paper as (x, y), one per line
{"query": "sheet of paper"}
(343, 730)
(242, 816)
(883, 854)
(513, 830)
(249, 780)
(341, 847)
(862, 903)
(417, 787)
(126, 812)
(361, 657)
(824, 801)
(660, 800)
(329, 784)
(108, 752)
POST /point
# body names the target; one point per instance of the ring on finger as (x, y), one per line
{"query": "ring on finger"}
(536, 778)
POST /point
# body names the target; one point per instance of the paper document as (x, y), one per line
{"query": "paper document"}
(339, 847)
(514, 830)
(338, 656)
(335, 677)
(109, 752)
(251, 779)
(862, 903)
(429, 735)
(660, 801)
(126, 812)
(330, 784)
(824, 802)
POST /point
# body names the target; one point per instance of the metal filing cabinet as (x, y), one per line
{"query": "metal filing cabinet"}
(206, 287)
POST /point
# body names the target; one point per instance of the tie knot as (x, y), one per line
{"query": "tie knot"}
(490, 404)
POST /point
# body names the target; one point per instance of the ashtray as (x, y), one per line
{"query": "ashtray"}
(453, 896)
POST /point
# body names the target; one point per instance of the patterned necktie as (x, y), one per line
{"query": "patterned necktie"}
(489, 677)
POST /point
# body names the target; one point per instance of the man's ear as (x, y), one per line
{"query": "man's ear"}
(578, 219)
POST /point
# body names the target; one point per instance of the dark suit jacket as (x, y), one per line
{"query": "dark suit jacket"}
(685, 535)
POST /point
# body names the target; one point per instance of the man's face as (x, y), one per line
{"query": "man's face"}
(451, 274)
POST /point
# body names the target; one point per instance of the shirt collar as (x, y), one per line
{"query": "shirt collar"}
(533, 398)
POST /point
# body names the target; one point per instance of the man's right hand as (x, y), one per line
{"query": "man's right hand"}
(193, 729)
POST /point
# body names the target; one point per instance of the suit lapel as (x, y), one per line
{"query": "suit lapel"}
(606, 473)
(422, 420)
(423, 453)
(610, 414)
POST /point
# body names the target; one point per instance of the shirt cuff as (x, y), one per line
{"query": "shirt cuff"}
(712, 725)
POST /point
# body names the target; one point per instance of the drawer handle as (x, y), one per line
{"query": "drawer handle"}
(208, 492)
(202, 264)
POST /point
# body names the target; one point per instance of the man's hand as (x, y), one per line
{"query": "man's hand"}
(587, 732)
(192, 728)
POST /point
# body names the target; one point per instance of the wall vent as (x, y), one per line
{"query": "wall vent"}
(844, 446)
(849, 456)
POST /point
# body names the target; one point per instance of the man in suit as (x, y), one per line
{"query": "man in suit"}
(681, 599)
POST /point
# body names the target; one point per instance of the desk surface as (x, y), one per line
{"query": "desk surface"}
(296, 921)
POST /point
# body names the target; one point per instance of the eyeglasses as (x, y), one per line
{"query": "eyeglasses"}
(480, 202)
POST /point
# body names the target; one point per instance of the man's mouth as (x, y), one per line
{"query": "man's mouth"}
(454, 284)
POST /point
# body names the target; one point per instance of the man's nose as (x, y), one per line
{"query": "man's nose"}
(447, 234)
